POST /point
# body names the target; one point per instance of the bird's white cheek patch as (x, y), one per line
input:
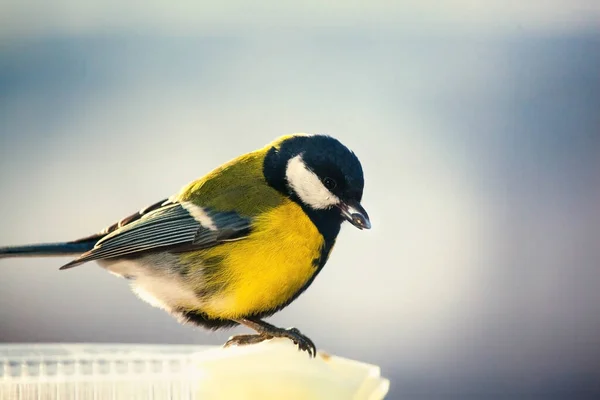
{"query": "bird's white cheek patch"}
(307, 185)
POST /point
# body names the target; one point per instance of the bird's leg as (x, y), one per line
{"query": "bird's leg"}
(267, 331)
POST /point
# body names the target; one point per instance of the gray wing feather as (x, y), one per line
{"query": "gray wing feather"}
(170, 226)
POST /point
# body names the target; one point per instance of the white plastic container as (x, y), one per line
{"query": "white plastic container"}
(269, 370)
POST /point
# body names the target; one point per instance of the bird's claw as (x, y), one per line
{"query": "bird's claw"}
(302, 341)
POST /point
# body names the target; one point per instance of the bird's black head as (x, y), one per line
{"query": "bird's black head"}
(321, 174)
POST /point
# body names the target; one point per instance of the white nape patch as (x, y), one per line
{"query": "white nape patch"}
(200, 215)
(307, 185)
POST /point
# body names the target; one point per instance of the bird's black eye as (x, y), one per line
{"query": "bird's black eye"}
(329, 183)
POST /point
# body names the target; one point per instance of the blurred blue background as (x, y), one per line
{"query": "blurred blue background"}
(478, 125)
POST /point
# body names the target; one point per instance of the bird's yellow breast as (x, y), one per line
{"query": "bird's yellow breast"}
(264, 270)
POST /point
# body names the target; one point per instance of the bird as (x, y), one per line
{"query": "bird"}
(238, 244)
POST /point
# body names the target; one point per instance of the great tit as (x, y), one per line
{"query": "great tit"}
(237, 245)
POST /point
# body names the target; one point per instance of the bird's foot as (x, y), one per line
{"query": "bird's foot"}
(302, 341)
(268, 331)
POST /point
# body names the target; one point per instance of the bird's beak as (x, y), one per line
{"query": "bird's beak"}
(355, 214)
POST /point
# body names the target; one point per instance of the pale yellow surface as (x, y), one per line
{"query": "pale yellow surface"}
(277, 370)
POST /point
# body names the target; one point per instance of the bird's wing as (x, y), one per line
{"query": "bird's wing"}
(200, 216)
(168, 225)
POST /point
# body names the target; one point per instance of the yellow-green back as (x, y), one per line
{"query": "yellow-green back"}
(238, 185)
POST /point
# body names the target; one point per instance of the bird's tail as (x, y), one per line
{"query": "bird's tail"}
(49, 249)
